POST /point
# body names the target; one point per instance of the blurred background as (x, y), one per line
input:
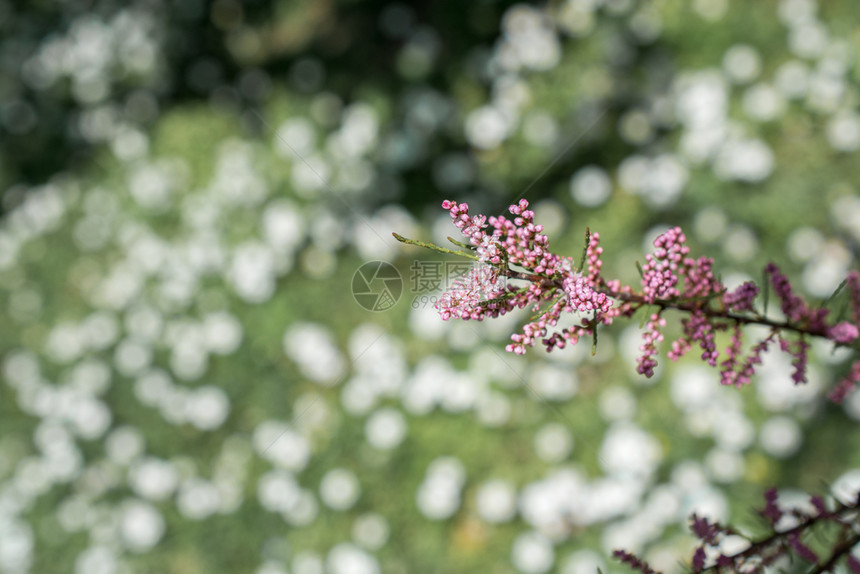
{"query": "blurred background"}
(190, 190)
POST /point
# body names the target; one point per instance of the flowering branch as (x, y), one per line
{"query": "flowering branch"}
(779, 542)
(515, 248)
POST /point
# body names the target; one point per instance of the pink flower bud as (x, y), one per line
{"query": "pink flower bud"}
(843, 332)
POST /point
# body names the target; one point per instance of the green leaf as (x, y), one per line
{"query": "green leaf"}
(432, 246)
(644, 316)
(835, 293)
(585, 249)
(461, 244)
(548, 307)
(843, 311)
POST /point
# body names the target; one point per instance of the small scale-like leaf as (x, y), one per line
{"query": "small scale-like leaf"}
(585, 250)
(432, 246)
(836, 292)
(461, 244)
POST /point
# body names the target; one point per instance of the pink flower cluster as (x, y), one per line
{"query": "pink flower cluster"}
(813, 321)
(697, 329)
(843, 332)
(732, 372)
(519, 239)
(471, 297)
(634, 562)
(646, 361)
(660, 272)
(793, 306)
(515, 249)
(742, 298)
(669, 274)
(501, 242)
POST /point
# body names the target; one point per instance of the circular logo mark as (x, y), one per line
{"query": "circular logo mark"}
(377, 286)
